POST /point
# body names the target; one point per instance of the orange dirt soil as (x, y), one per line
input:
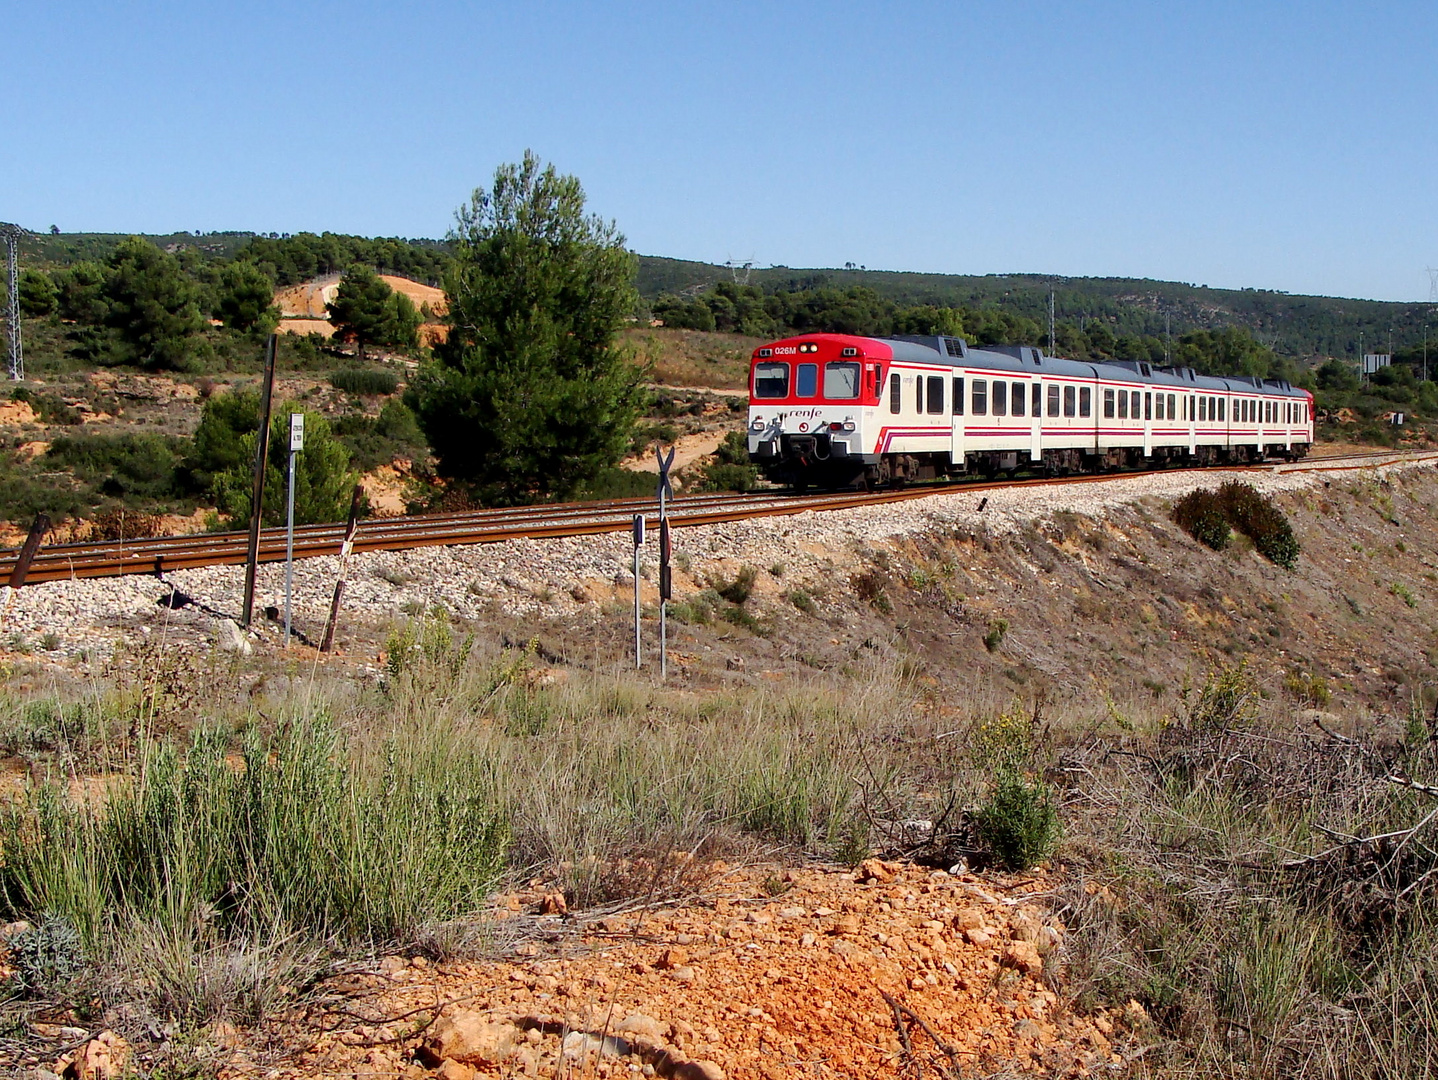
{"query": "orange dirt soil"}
(304, 311)
(772, 973)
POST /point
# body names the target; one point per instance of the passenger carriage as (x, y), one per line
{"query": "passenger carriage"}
(838, 410)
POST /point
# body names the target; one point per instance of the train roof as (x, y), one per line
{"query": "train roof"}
(956, 352)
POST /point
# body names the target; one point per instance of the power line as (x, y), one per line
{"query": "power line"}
(11, 234)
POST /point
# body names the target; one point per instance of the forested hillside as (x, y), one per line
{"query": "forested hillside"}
(1301, 327)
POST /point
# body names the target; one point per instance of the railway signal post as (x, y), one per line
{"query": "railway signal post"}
(665, 493)
(297, 443)
(638, 543)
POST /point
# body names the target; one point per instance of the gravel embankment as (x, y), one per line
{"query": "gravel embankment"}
(556, 577)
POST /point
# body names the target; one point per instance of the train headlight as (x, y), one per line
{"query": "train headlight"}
(757, 424)
(849, 425)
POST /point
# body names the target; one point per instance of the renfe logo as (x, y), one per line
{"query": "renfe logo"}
(810, 413)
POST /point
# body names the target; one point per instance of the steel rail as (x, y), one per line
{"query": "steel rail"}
(161, 554)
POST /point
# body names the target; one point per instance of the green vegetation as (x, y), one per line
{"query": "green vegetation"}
(245, 300)
(364, 381)
(367, 311)
(324, 480)
(730, 470)
(1206, 516)
(531, 398)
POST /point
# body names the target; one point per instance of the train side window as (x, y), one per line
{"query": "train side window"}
(919, 393)
(1085, 400)
(771, 380)
(1018, 398)
(1108, 404)
(894, 399)
(1053, 396)
(979, 402)
(1070, 394)
(807, 383)
(1223, 409)
(1202, 408)
(1172, 401)
(936, 394)
(1123, 404)
(959, 396)
(1001, 398)
(1158, 406)
(1148, 404)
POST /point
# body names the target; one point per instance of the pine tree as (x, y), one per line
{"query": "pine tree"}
(531, 396)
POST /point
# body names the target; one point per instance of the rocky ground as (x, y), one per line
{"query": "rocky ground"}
(888, 970)
(767, 971)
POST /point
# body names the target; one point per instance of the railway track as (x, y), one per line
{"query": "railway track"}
(166, 553)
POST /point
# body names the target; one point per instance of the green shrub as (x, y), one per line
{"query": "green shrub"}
(1018, 824)
(740, 589)
(730, 470)
(47, 957)
(995, 636)
(364, 381)
(121, 466)
(1200, 514)
(299, 835)
(1206, 516)
(1307, 688)
(803, 601)
(1257, 516)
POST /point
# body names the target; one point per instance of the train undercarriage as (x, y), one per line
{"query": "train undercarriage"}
(813, 461)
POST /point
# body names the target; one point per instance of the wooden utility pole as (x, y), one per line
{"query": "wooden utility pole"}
(345, 549)
(38, 530)
(257, 501)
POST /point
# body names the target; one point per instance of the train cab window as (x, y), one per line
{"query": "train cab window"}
(807, 382)
(1148, 404)
(1001, 398)
(1123, 404)
(1018, 398)
(936, 394)
(894, 399)
(1070, 400)
(771, 380)
(1108, 404)
(1085, 401)
(959, 397)
(841, 380)
(979, 402)
(1053, 395)
(1172, 401)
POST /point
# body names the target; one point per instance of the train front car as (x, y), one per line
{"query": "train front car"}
(812, 406)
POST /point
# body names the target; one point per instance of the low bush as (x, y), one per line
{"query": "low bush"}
(739, 589)
(367, 382)
(1257, 516)
(1018, 824)
(297, 836)
(131, 467)
(1207, 516)
(730, 470)
(1200, 514)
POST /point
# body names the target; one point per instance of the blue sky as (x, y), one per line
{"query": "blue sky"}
(1276, 145)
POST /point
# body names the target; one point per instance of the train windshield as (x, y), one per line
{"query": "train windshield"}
(841, 380)
(771, 380)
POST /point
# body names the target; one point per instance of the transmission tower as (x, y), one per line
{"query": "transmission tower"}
(736, 268)
(11, 234)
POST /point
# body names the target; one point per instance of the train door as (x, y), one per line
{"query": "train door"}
(957, 450)
(1036, 420)
(1148, 423)
(1191, 414)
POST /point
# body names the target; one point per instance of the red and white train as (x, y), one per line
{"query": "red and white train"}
(836, 410)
